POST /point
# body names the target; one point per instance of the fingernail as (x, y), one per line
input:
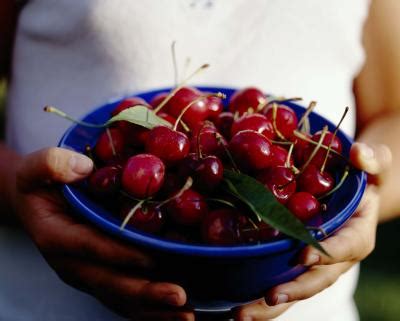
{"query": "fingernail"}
(171, 299)
(311, 259)
(366, 151)
(281, 298)
(81, 164)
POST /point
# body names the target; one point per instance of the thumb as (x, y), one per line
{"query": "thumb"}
(52, 165)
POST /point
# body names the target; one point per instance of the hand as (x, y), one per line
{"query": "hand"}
(82, 256)
(351, 244)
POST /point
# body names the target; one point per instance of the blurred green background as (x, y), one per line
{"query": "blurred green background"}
(378, 291)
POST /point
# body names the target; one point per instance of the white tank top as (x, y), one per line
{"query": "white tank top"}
(79, 54)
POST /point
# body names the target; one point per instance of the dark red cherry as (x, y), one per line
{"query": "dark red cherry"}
(246, 98)
(207, 142)
(208, 173)
(167, 117)
(127, 103)
(319, 158)
(256, 122)
(107, 150)
(146, 218)
(220, 227)
(253, 232)
(281, 182)
(224, 123)
(105, 181)
(169, 145)
(303, 205)
(299, 150)
(214, 106)
(315, 182)
(279, 156)
(285, 120)
(172, 184)
(182, 98)
(188, 209)
(157, 99)
(143, 175)
(250, 150)
(187, 166)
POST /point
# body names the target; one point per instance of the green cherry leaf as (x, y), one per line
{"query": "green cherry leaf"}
(139, 115)
(263, 203)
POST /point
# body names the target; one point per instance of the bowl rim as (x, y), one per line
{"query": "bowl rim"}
(245, 250)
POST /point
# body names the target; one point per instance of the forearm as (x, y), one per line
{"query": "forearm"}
(8, 163)
(386, 130)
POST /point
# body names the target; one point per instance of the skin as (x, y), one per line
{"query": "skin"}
(96, 264)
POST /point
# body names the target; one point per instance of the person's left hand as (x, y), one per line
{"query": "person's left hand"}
(351, 244)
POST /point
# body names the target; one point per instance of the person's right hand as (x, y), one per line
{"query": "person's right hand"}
(82, 256)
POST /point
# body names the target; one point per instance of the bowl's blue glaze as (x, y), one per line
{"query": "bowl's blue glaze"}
(215, 278)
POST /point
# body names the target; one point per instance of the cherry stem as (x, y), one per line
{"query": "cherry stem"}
(111, 141)
(219, 94)
(287, 162)
(188, 184)
(342, 179)
(274, 111)
(173, 54)
(283, 100)
(333, 137)
(279, 142)
(199, 154)
(186, 66)
(228, 153)
(261, 105)
(182, 84)
(218, 200)
(309, 109)
(54, 110)
(130, 214)
(316, 149)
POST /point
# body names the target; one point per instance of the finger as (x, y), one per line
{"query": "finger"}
(260, 311)
(374, 159)
(316, 279)
(103, 282)
(52, 165)
(354, 241)
(156, 314)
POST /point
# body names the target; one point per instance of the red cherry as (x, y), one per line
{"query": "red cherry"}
(246, 98)
(172, 184)
(220, 227)
(143, 175)
(182, 98)
(286, 119)
(224, 123)
(208, 173)
(107, 150)
(146, 218)
(248, 233)
(300, 147)
(279, 156)
(256, 122)
(188, 209)
(157, 99)
(167, 117)
(105, 181)
(169, 145)
(303, 205)
(315, 182)
(319, 157)
(281, 182)
(250, 150)
(214, 106)
(208, 142)
(127, 103)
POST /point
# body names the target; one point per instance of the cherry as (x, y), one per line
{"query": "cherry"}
(187, 209)
(188, 165)
(285, 119)
(105, 181)
(250, 150)
(220, 227)
(143, 175)
(246, 98)
(315, 182)
(319, 158)
(107, 150)
(256, 231)
(214, 106)
(303, 205)
(146, 218)
(281, 182)
(279, 156)
(208, 173)
(172, 184)
(256, 122)
(208, 142)
(182, 98)
(167, 117)
(169, 145)
(299, 151)
(157, 99)
(127, 103)
(224, 123)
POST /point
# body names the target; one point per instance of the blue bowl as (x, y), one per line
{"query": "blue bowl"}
(215, 278)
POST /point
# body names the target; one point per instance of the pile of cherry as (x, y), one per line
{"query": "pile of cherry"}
(167, 180)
